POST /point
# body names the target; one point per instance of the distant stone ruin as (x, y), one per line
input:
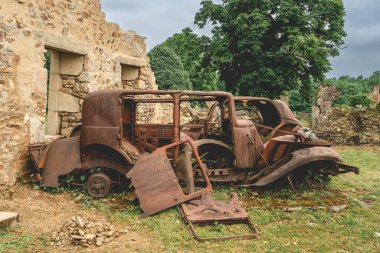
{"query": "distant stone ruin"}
(375, 96)
(348, 126)
(321, 109)
(86, 53)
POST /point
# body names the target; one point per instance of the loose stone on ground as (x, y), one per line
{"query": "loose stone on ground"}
(85, 232)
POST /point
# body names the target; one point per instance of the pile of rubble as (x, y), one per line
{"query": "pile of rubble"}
(351, 127)
(85, 232)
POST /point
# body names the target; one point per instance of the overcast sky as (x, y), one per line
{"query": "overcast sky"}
(159, 19)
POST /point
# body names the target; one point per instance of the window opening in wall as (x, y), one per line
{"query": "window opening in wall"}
(129, 76)
(63, 100)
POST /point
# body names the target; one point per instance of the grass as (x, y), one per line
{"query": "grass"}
(351, 230)
(304, 230)
(10, 242)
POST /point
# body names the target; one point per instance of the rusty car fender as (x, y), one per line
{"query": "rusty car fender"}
(60, 158)
(295, 160)
(103, 156)
(65, 155)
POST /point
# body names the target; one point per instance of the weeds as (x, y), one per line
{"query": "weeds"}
(12, 244)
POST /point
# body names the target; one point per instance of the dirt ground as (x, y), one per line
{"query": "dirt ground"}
(42, 213)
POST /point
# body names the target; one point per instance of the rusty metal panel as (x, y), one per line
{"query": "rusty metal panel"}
(248, 144)
(108, 136)
(102, 108)
(35, 153)
(293, 161)
(62, 156)
(206, 211)
(285, 113)
(156, 184)
(102, 118)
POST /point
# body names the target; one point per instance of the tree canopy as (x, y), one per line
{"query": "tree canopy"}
(266, 47)
(168, 69)
(195, 55)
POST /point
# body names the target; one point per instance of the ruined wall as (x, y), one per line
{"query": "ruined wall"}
(351, 126)
(87, 54)
(321, 109)
(375, 96)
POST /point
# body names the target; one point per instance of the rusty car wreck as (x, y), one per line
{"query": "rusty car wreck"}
(244, 140)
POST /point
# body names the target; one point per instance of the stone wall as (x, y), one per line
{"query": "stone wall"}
(321, 109)
(87, 54)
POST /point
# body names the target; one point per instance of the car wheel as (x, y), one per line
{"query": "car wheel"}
(98, 185)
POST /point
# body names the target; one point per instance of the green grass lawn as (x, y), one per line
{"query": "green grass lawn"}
(305, 230)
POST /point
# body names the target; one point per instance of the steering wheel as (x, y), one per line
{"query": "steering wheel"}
(214, 119)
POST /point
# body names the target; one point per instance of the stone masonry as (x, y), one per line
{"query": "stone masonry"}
(321, 109)
(87, 53)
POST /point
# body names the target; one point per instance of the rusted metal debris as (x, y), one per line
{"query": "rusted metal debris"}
(239, 136)
(207, 211)
(155, 181)
(244, 140)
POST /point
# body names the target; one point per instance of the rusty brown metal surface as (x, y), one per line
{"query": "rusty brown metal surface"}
(101, 120)
(277, 116)
(294, 160)
(285, 113)
(60, 158)
(111, 137)
(248, 144)
(156, 184)
(207, 211)
(35, 153)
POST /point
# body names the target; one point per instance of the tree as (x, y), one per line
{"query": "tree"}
(351, 86)
(301, 103)
(168, 69)
(266, 47)
(195, 54)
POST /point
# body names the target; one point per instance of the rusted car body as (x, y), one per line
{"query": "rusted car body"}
(233, 147)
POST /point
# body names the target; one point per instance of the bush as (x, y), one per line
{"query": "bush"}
(168, 69)
(360, 99)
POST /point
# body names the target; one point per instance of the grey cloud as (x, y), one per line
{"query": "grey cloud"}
(154, 19)
(362, 42)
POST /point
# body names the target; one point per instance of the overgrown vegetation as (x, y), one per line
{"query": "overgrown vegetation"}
(265, 48)
(195, 54)
(11, 243)
(168, 69)
(301, 100)
(361, 99)
(352, 86)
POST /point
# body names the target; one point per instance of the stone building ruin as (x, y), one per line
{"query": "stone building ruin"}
(375, 96)
(86, 53)
(321, 109)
